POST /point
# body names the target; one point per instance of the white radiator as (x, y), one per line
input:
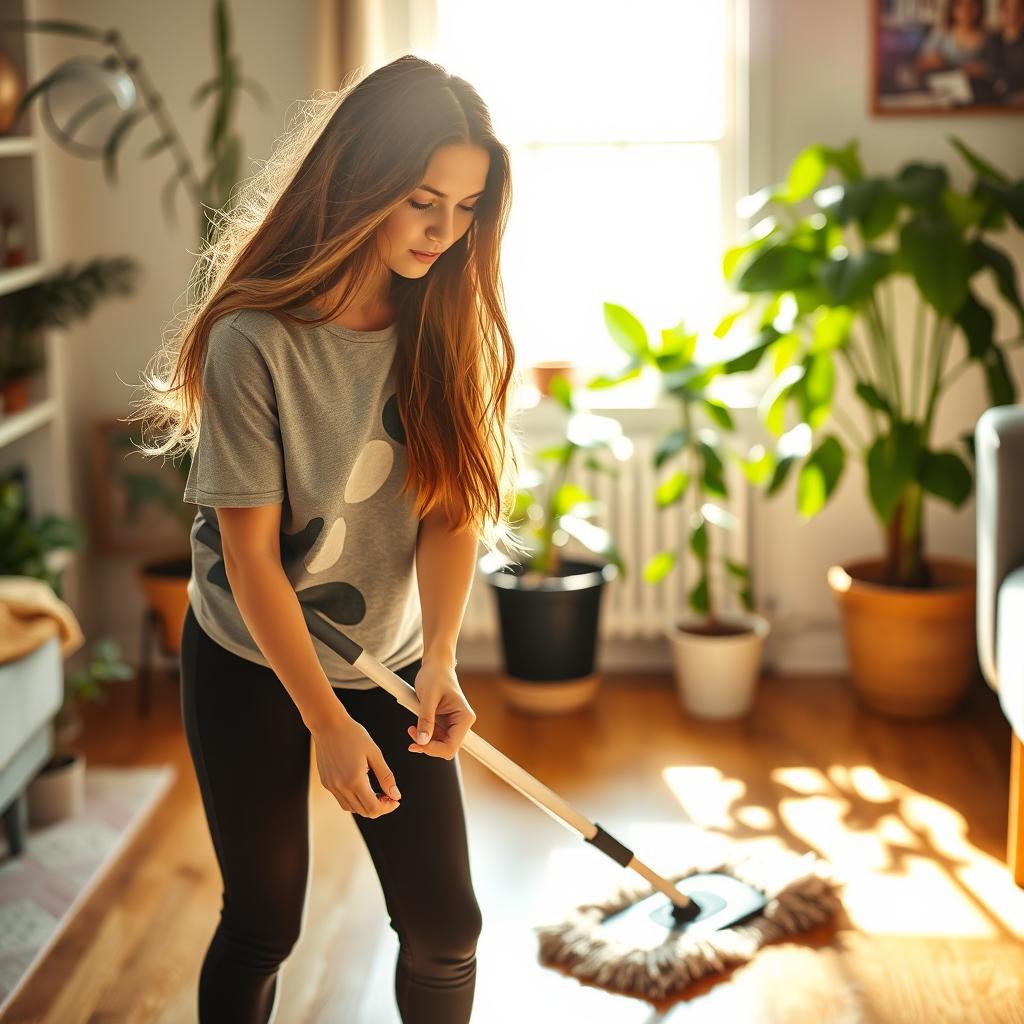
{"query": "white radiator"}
(633, 609)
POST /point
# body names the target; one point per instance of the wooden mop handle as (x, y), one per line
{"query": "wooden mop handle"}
(547, 799)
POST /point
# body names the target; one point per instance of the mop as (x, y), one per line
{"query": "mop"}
(719, 912)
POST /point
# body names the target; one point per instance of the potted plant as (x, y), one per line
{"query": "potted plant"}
(821, 295)
(55, 301)
(164, 580)
(548, 603)
(27, 546)
(716, 652)
(58, 790)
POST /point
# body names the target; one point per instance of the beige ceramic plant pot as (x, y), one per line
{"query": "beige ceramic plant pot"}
(58, 790)
(717, 674)
(912, 652)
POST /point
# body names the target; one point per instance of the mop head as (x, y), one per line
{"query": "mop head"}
(801, 892)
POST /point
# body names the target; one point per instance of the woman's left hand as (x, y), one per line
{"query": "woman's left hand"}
(445, 715)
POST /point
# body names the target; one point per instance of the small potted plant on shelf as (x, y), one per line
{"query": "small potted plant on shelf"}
(821, 293)
(549, 603)
(716, 651)
(58, 790)
(59, 300)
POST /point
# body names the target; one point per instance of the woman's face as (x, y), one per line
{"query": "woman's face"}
(428, 222)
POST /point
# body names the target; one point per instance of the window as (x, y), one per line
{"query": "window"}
(620, 119)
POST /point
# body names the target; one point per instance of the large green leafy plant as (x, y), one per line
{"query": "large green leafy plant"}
(695, 449)
(822, 298)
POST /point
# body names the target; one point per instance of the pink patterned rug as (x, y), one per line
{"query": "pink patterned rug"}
(41, 890)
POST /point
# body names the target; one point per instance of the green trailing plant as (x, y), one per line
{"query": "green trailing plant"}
(89, 682)
(59, 300)
(208, 189)
(695, 449)
(549, 508)
(820, 300)
(25, 543)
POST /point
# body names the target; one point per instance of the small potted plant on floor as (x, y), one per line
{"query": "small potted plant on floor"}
(716, 651)
(164, 581)
(823, 289)
(58, 790)
(549, 604)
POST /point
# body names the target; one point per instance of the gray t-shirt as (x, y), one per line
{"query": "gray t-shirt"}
(307, 416)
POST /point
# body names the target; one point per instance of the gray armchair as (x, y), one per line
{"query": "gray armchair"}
(999, 456)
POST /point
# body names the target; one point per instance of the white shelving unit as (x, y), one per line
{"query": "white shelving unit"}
(35, 438)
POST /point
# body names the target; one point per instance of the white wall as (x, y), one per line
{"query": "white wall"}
(812, 78)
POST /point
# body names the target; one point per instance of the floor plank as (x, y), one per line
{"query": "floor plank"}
(912, 815)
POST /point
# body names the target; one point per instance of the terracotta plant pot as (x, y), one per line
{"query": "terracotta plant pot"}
(165, 584)
(543, 372)
(15, 392)
(912, 652)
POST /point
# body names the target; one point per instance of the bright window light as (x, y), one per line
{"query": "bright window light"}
(617, 119)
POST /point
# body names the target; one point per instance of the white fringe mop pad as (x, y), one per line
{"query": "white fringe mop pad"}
(801, 892)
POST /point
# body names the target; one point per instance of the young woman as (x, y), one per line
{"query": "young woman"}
(341, 382)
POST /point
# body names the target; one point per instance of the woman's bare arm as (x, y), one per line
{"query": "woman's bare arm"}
(271, 610)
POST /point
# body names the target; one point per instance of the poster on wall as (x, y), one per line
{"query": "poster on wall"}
(948, 56)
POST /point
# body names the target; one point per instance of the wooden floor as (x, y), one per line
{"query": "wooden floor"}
(912, 815)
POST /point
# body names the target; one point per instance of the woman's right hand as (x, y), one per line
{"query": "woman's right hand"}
(345, 752)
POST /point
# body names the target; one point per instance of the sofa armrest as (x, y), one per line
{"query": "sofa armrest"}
(999, 459)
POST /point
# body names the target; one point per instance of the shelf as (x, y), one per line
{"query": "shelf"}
(13, 279)
(15, 425)
(17, 146)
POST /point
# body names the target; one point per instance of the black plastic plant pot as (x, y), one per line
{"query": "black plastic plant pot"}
(549, 622)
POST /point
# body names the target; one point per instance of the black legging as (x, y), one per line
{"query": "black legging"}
(251, 754)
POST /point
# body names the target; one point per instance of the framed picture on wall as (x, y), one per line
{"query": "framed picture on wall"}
(948, 56)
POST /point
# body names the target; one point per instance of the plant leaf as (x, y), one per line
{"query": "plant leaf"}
(946, 475)
(670, 491)
(981, 166)
(671, 444)
(849, 279)
(819, 476)
(626, 331)
(774, 268)
(658, 567)
(719, 413)
(698, 596)
(937, 257)
(983, 255)
(892, 464)
(977, 322)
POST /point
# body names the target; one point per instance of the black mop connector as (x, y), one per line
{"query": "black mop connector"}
(611, 847)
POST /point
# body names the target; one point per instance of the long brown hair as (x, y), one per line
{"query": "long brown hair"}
(310, 215)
